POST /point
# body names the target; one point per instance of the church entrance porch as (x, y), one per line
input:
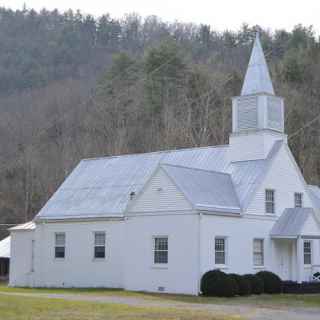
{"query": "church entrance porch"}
(297, 259)
(285, 258)
(296, 245)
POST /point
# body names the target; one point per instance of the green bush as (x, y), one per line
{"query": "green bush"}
(256, 283)
(272, 283)
(217, 283)
(244, 285)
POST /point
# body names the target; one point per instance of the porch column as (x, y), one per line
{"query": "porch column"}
(300, 259)
(272, 256)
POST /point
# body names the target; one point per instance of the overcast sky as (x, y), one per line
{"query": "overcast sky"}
(220, 14)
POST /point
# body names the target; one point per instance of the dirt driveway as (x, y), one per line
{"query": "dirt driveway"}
(244, 312)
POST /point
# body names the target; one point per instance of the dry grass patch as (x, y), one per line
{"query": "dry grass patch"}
(22, 308)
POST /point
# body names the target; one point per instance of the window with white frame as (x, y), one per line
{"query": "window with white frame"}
(220, 250)
(160, 250)
(307, 252)
(270, 200)
(258, 252)
(60, 245)
(99, 245)
(298, 200)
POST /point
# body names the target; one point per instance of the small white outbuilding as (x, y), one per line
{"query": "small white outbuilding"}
(4, 258)
(158, 221)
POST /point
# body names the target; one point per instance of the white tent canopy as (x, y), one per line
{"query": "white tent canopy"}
(5, 248)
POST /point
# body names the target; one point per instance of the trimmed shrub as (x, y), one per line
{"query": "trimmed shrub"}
(244, 285)
(256, 283)
(217, 283)
(271, 282)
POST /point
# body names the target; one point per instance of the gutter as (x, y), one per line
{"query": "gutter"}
(79, 219)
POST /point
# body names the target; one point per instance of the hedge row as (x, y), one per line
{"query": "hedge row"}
(219, 284)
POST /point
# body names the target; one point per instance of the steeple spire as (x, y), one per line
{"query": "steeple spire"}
(257, 79)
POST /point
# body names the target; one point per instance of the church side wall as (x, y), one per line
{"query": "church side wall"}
(181, 273)
(162, 210)
(284, 179)
(79, 268)
(239, 233)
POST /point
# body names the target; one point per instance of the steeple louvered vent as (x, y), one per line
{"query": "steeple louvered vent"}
(248, 113)
(275, 113)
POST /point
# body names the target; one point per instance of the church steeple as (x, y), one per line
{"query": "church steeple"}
(257, 108)
(257, 114)
(257, 79)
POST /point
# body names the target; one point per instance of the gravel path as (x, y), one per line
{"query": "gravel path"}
(243, 311)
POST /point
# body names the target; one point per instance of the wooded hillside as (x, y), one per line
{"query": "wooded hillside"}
(73, 86)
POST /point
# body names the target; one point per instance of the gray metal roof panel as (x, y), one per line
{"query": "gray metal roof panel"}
(5, 248)
(205, 189)
(291, 222)
(247, 175)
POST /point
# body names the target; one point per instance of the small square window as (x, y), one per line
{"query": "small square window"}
(160, 250)
(99, 245)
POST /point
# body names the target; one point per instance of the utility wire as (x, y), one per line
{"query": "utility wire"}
(308, 124)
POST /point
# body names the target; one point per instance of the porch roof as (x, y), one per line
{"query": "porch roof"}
(291, 223)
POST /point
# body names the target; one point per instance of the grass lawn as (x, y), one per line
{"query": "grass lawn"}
(264, 300)
(269, 301)
(26, 308)
(86, 291)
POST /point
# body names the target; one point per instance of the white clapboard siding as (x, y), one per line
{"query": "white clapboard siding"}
(160, 194)
(284, 178)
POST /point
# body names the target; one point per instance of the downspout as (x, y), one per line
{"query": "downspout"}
(299, 259)
(199, 252)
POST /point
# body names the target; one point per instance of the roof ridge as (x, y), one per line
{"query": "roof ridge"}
(193, 168)
(249, 160)
(154, 152)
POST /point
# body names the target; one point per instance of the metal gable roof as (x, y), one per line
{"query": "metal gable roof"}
(206, 190)
(5, 248)
(101, 187)
(291, 222)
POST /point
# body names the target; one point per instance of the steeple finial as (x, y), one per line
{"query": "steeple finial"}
(257, 79)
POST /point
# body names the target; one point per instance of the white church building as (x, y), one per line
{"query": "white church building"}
(158, 221)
